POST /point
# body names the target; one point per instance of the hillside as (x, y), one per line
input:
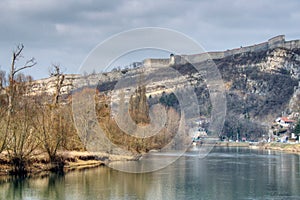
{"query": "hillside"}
(261, 83)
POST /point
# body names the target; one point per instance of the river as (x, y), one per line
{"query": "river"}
(226, 173)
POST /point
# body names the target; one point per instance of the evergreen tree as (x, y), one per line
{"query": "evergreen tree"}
(297, 128)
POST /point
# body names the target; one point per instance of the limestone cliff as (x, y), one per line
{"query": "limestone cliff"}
(260, 87)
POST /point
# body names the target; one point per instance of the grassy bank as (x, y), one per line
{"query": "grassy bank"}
(232, 144)
(69, 160)
(290, 148)
(285, 147)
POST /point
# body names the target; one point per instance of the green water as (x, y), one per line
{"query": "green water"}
(226, 173)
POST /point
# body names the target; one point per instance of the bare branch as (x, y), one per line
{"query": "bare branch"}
(13, 71)
(29, 63)
(56, 71)
(60, 77)
(18, 51)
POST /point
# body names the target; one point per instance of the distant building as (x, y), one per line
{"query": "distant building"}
(284, 121)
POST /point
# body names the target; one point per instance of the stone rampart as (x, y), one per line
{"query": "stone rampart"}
(275, 42)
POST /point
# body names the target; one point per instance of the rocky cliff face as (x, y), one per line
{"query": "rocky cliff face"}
(260, 85)
(264, 82)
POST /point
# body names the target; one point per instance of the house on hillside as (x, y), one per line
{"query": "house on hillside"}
(284, 121)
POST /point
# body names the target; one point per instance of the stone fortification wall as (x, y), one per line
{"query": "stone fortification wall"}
(48, 85)
(291, 44)
(278, 41)
(156, 62)
(275, 42)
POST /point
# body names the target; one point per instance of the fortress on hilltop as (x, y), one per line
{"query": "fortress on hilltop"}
(48, 85)
(275, 42)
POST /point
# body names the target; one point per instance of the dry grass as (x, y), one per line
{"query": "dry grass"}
(295, 148)
(73, 160)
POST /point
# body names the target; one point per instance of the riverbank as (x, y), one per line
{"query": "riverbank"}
(232, 144)
(70, 160)
(285, 147)
(275, 146)
(75, 160)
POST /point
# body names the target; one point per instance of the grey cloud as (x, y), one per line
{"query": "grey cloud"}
(65, 31)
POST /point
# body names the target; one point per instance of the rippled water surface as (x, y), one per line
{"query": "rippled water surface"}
(226, 173)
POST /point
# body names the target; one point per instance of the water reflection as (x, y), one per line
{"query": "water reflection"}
(227, 173)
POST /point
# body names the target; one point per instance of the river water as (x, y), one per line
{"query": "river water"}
(226, 173)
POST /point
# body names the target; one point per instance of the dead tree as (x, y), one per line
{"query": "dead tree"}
(20, 132)
(17, 54)
(2, 80)
(60, 77)
(52, 121)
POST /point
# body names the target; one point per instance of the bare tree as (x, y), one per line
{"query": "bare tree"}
(2, 80)
(50, 125)
(22, 136)
(3, 111)
(60, 77)
(3, 126)
(52, 121)
(17, 54)
(55, 123)
(85, 119)
(19, 132)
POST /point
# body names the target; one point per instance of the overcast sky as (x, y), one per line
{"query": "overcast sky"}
(64, 32)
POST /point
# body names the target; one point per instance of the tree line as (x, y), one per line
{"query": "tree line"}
(32, 124)
(42, 124)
